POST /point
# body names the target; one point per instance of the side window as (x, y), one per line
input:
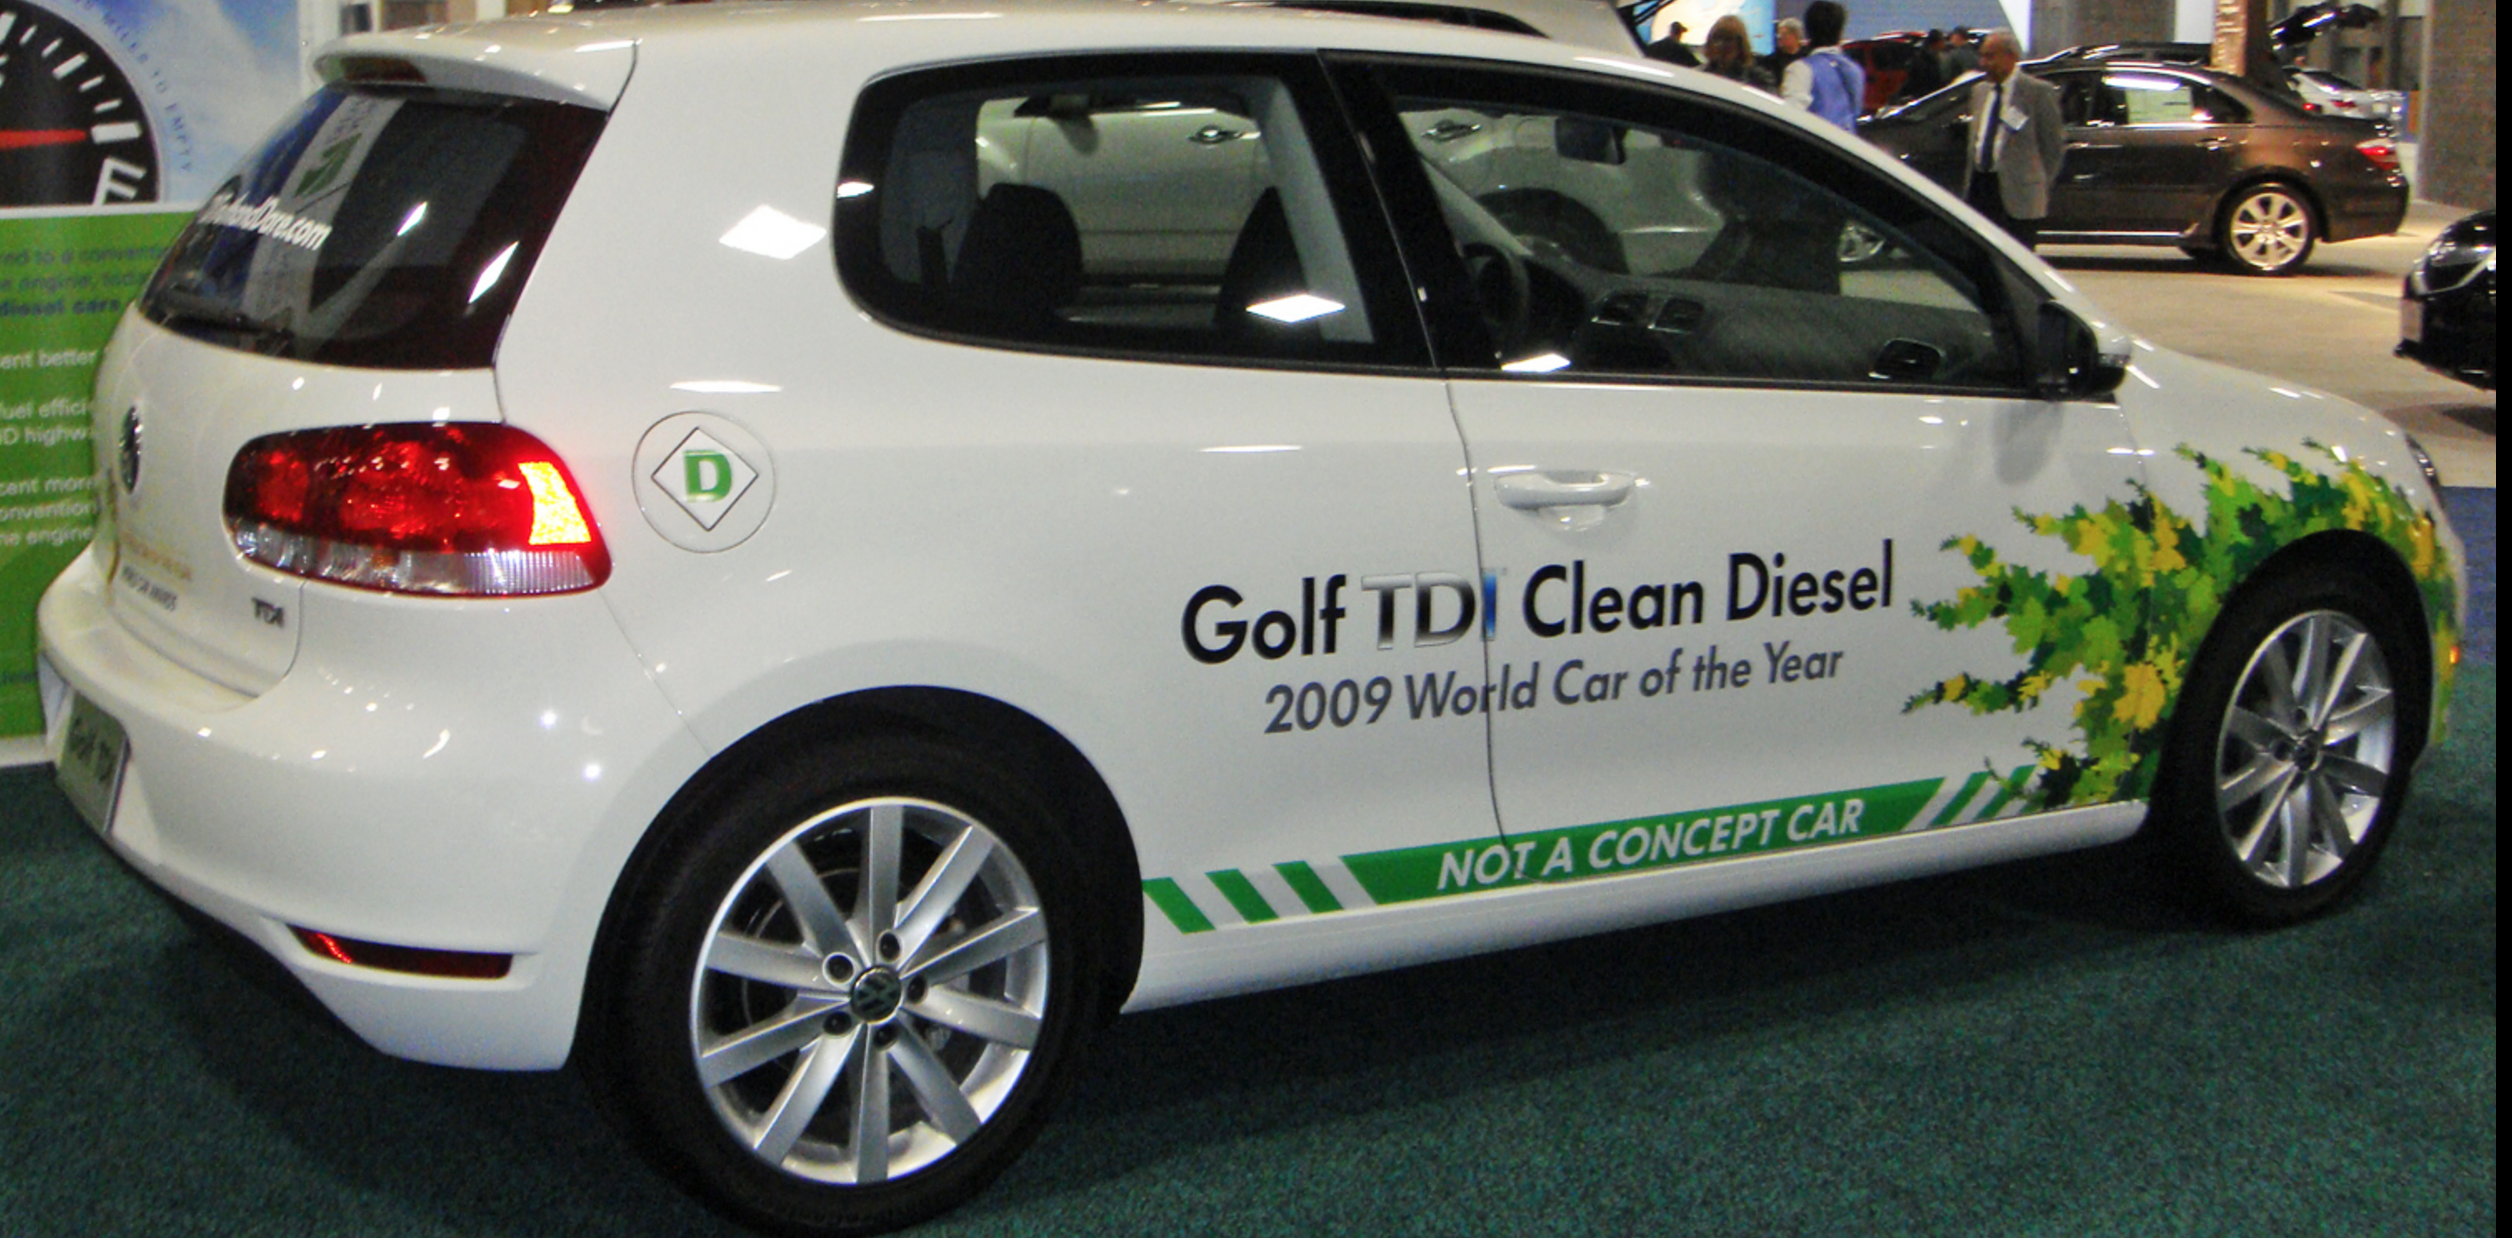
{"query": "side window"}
(2159, 100)
(1182, 214)
(2081, 100)
(1591, 244)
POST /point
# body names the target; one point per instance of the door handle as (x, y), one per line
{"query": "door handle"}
(1533, 490)
(1214, 135)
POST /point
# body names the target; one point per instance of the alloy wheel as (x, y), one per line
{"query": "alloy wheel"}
(2306, 750)
(869, 994)
(2270, 230)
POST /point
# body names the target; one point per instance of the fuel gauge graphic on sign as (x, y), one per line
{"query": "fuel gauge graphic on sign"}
(72, 129)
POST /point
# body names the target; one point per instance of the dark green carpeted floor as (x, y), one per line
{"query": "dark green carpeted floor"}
(2033, 1049)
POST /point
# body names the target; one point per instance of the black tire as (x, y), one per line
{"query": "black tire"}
(2266, 229)
(2275, 805)
(959, 1094)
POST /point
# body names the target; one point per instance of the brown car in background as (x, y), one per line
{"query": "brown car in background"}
(2176, 154)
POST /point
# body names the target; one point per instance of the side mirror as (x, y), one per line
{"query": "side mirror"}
(2067, 358)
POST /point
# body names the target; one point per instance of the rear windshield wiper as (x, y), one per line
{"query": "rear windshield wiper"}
(177, 307)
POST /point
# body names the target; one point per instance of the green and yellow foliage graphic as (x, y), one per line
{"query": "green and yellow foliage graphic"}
(2125, 632)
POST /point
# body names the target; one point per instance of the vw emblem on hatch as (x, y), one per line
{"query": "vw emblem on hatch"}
(130, 460)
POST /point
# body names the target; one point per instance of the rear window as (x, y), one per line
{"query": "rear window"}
(380, 228)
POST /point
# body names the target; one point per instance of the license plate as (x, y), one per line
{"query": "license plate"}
(2411, 320)
(94, 752)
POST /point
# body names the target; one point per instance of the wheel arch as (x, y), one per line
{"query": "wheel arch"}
(1038, 753)
(2345, 551)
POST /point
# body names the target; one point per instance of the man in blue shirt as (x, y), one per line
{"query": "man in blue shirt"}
(1827, 82)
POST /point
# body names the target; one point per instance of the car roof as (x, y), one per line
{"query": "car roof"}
(584, 56)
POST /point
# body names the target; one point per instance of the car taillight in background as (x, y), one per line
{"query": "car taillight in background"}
(2383, 153)
(465, 509)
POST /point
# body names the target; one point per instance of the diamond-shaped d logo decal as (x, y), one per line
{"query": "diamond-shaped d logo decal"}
(705, 477)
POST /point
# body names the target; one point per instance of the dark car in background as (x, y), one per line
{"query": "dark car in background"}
(2175, 154)
(2447, 311)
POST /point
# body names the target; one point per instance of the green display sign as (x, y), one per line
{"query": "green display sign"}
(64, 280)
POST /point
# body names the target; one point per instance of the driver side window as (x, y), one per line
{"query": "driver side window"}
(1592, 245)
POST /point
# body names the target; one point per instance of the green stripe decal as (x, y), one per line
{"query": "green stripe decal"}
(2005, 792)
(1953, 807)
(1173, 903)
(1305, 883)
(1242, 894)
(1641, 844)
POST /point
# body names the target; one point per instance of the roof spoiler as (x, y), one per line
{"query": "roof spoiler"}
(528, 61)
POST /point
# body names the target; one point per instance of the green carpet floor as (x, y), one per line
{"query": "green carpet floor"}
(2031, 1049)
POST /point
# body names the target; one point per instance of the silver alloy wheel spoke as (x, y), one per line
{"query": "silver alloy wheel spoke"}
(2300, 820)
(2279, 681)
(936, 1092)
(2238, 788)
(2352, 775)
(2372, 707)
(923, 910)
(796, 1027)
(872, 1110)
(2312, 673)
(805, 1092)
(983, 1018)
(877, 904)
(2252, 844)
(2329, 819)
(824, 928)
(1017, 931)
(2340, 681)
(2257, 730)
(768, 962)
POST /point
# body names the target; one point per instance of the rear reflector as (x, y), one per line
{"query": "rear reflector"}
(464, 509)
(458, 964)
(2384, 154)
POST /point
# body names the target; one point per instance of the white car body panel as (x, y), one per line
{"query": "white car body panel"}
(941, 518)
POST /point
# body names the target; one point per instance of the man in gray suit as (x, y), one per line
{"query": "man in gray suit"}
(2017, 139)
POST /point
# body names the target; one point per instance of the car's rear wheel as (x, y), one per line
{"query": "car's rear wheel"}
(2292, 746)
(852, 989)
(2267, 230)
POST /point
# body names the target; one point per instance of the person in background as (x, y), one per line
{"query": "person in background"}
(2017, 138)
(1961, 56)
(1672, 49)
(1729, 54)
(1927, 68)
(1826, 81)
(1787, 44)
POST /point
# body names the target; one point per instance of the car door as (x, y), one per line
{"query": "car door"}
(1711, 495)
(1189, 486)
(2165, 154)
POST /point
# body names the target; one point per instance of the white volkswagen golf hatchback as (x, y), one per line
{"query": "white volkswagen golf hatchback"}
(804, 556)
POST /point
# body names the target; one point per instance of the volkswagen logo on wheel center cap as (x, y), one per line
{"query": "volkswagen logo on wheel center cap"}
(877, 995)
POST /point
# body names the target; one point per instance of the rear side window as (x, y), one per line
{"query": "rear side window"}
(1189, 208)
(378, 228)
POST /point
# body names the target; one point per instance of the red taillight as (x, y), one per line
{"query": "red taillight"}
(2384, 155)
(416, 960)
(465, 509)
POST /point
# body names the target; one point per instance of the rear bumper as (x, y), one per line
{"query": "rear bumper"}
(438, 782)
(2356, 211)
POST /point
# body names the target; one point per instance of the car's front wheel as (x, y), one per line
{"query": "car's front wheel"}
(2291, 752)
(2267, 230)
(843, 999)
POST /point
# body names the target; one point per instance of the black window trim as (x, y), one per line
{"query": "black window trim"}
(1387, 292)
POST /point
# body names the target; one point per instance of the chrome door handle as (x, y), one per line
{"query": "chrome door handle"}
(1214, 135)
(1533, 490)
